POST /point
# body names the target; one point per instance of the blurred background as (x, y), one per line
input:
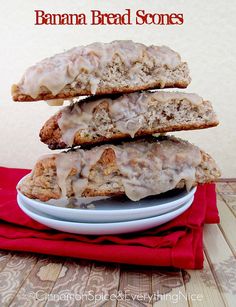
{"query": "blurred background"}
(206, 41)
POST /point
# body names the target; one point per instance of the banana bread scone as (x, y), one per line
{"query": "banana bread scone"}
(102, 68)
(97, 120)
(137, 169)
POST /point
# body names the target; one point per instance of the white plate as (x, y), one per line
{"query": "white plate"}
(112, 209)
(102, 228)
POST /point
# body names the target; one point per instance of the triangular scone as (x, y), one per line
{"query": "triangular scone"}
(102, 68)
(137, 169)
(98, 120)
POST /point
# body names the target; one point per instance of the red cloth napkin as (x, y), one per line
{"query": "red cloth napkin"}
(177, 243)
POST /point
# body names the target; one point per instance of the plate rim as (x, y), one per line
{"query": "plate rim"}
(90, 212)
(181, 209)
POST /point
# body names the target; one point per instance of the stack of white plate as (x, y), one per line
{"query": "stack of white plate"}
(107, 215)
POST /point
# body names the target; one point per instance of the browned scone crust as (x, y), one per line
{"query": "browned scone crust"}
(104, 178)
(174, 115)
(99, 72)
(69, 92)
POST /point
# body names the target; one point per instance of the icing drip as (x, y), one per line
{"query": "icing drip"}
(146, 168)
(56, 72)
(127, 113)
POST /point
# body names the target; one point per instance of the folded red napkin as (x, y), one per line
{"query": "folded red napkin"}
(177, 243)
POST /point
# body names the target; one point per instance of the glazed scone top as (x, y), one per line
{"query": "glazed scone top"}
(125, 111)
(56, 72)
(146, 168)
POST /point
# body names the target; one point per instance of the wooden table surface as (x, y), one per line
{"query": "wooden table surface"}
(37, 280)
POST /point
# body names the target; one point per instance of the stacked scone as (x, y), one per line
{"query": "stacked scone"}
(112, 150)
